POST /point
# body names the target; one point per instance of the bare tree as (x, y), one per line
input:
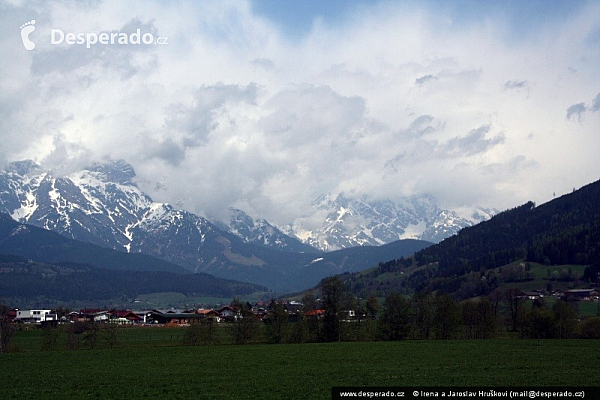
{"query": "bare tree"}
(110, 334)
(333, 293)
(49, 338)
(91, 334)
(309, 301)
(446, 317)
(277, 323)
(515, 304)
(423, 315)
(245, 327)
(75, 331)
(394, 323)
(200, 332)
(372, 306)
(6, 329)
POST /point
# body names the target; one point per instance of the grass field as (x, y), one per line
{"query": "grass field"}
(301, 371)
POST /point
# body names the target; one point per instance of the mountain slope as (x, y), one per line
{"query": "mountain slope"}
(262, 233)
(360, 258)
(88, 205)
(474, 262)
(564, 230)
(28, 280)
(49, 247)
(281, 271)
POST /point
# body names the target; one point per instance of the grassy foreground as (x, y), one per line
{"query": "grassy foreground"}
(294, 371)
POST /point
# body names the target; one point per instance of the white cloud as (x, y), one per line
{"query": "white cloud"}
(389, 101)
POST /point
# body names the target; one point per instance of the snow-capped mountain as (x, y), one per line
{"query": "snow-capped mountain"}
(262, 233)
(97, 205)
(359, 222)
(102, 205)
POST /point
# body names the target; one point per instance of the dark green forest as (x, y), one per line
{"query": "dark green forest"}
(20, 278)
(564, 231)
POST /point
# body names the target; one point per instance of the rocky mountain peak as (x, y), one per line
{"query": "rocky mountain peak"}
(364, 221)
(22, 168)
(117, 171)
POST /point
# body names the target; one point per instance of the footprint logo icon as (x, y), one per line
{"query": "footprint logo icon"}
(26, 29)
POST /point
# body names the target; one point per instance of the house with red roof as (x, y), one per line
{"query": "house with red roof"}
(124, 317)
(210, 315)
(315, 313)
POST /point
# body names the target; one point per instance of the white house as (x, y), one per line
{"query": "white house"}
(229, 313)
(35, 316)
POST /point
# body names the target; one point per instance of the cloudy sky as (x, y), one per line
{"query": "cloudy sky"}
(265, 105)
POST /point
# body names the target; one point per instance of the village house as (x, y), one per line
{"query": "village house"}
(10, 317)
(143, 315)
(579, 294)
(229, 313)
(531, 295)
(353, 315)
(174, 318)
(89, 315)
(259, 311)
(35, 316)
(124, 317)
(209, 315)
(315, 313)
(293, 306)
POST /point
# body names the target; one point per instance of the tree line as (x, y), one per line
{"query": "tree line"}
(397, 317)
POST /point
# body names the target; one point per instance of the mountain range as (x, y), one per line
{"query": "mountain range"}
(46, 246)
(102, 205)
(98, 218)
(351, 222)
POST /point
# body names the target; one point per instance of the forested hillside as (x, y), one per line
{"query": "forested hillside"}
(563, 231)
(22, 279)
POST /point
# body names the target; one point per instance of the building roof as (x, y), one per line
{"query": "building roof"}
(92, 311)
(580, 292)
(532, 293)
(206, 312)
(125, 314)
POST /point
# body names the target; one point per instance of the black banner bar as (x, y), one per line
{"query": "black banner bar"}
(501, 393)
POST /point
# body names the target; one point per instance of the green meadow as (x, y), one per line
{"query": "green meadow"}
(152, 363)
